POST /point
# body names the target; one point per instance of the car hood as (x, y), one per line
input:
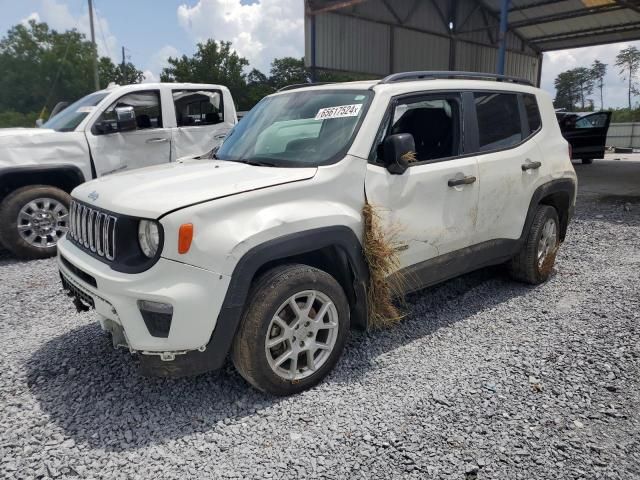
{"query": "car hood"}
(41, 146)
(24, 132)
(154, 191)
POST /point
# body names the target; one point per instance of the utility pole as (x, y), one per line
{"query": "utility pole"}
(124, 66)
(96, 78)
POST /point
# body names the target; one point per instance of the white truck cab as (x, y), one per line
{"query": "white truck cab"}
(112, 130)
(259, 252)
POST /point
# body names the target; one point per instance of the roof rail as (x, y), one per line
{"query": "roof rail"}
(433, 75)
(302, 85)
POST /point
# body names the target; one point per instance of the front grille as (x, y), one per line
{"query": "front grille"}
(93, 229)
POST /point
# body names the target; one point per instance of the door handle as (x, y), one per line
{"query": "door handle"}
(157, 140)
(456, 182)
(531, 166)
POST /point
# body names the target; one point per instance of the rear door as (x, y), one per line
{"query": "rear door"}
(200, 120)
(149, 144)
(429, 207)
(587, 135)
(509, 163)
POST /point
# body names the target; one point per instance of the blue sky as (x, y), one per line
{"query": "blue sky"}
(152, 30)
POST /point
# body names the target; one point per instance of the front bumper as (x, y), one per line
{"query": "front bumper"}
(196, 295)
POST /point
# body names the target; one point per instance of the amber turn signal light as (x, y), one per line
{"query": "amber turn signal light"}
(185, 235)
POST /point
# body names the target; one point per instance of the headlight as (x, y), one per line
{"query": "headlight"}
(148, 237)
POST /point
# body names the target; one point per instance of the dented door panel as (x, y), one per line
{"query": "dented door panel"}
(429, 217)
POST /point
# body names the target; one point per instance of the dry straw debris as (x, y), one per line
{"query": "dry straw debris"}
(386, 287)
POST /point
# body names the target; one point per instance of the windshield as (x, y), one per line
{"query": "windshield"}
(69, 118)
(297, 129)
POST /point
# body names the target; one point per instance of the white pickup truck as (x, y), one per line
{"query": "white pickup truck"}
(119, 128)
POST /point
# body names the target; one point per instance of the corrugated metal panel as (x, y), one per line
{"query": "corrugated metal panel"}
(426, 17)
(624, 135)
(347, 43)
(419, 51)
(478, 58)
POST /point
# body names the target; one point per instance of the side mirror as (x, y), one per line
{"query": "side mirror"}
(398, 150)
(126, 119)
(39, 122)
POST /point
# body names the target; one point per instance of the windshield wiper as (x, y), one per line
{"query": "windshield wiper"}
(256, 163)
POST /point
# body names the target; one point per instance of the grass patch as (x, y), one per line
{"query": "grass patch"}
(381, 253)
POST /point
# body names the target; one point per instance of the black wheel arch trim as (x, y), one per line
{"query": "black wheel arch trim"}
(40, 169)
(342, 238)
(558, 186)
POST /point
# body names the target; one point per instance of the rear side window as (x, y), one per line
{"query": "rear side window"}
(499, 123)
(198, 107)
(532, 111)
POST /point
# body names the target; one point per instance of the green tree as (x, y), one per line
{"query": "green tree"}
(213, 62)
(584, 83)
(598, 71)
(628, 60)
(41, 67)
(109, 72)
(288, 71)
(258, 87)
(566, 90)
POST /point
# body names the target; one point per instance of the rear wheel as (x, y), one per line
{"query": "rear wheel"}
(33, 219)
(534, 263)
(293, 330)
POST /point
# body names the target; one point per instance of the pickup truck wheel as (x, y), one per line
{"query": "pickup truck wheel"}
(33, 219)
(534, 263)
(293, 329)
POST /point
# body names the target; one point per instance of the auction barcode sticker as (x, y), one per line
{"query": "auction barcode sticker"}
(341, 111)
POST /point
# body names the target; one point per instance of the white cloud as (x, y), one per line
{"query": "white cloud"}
(32, 16)
(158, 61)
(60, 18)
(615, 91)
(260, 31)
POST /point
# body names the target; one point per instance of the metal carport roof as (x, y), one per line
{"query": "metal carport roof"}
(556, 25)
(543, 24)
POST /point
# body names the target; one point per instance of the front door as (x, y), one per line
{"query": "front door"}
(149, 143)
(432, 206)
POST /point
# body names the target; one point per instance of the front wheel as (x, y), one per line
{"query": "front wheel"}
(33, 219)
(534, 263)
(293, 329)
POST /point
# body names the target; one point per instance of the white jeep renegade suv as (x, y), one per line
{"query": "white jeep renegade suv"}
(258, 253)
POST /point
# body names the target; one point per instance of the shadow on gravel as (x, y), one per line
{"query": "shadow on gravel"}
(95, 394)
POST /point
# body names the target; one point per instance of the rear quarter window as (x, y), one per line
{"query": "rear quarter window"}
(532, 111)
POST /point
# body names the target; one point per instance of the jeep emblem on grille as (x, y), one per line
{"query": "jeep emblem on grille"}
(94, 195)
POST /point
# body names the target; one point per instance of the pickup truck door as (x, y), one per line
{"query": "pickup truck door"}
(432, 206)
(200, 120)
(148, 143)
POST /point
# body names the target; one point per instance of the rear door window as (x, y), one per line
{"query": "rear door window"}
(499, 124)
(198, 107)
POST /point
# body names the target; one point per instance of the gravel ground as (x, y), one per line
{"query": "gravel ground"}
(484, 379)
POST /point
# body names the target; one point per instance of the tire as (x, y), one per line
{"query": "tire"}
(41, 246)
(526, 265)
(270, 295)
(587, 161)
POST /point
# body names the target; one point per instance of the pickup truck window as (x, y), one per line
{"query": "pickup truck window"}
(198, 107)
(68, 119)
(146, 106)
(297, 129)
